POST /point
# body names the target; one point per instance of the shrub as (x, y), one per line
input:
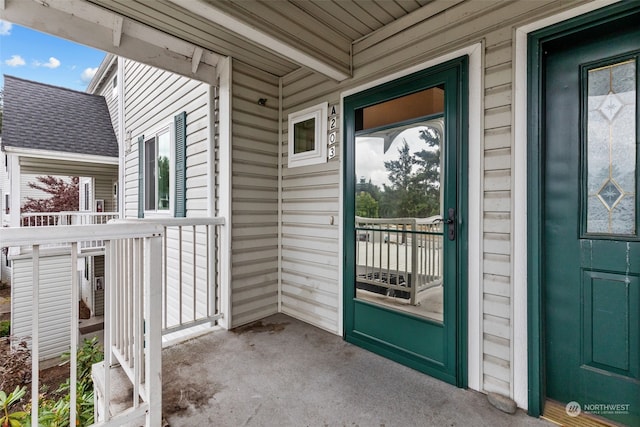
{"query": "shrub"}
(5, 328)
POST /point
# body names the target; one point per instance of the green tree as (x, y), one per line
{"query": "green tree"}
(366, 205)
(415, 180)
(400, 170)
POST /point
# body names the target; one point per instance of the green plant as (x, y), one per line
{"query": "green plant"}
(89, 354)
(11, 419)
(57, 413)
(5, 328)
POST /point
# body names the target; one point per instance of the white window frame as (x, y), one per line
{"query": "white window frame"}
(150, 213)
(319, 153)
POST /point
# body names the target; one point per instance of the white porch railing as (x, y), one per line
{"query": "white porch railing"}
(40, 219)
(189, 271)
(399, 257)
(133, 313)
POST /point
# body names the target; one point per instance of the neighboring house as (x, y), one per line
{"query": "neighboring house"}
(48, 130)
(535, 291)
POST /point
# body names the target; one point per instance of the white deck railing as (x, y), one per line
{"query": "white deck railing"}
(40, 219)
(189, 271)
(133, 314)
(399, 256)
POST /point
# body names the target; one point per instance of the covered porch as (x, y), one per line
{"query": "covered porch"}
(281, 371)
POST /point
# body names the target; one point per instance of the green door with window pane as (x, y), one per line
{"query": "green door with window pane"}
(591, 245)
(405, 240)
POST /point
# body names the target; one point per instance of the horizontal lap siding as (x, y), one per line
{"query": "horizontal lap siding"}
(55, 303)
(254, 240)
(153, 98)
(310, 217)
(496, 263)
(311, 194)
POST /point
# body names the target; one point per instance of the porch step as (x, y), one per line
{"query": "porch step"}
(86, 326)
(557, 414)
(121, 392)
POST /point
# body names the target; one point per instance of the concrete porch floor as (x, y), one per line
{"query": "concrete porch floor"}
(283, 372)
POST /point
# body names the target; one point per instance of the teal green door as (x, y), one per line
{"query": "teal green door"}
(404, 220)
(591, 264)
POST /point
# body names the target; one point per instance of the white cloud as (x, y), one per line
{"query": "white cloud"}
(5, 28)
(88, 74)
(15, 61)
(52, 63)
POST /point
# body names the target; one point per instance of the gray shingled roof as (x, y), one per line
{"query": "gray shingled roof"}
(46, 117)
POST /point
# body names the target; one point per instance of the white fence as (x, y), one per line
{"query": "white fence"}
(133, 313)
(399, 257)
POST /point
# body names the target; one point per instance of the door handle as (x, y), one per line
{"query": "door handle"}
(451, 224)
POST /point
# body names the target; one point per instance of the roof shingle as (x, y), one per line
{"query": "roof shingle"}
(45, 117)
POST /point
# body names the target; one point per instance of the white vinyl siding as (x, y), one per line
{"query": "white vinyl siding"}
(310, 239)
(254, 258)
(153, 97)
(152, 100)
(310, 196)
(55, 302)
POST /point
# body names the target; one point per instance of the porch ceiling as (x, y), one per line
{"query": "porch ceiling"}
(189, 37)
(47, 166)
(277, 36)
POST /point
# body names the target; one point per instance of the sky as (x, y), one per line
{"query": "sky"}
(370, 154)
(36, 56)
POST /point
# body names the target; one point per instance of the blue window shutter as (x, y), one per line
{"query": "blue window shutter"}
(141, 177)
(180, 122)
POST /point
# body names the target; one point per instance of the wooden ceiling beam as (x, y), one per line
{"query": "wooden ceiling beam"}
(91, 25)
(284, 48)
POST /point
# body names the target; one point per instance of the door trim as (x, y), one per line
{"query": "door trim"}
(461, 64)
(475, 173)
(535, 196)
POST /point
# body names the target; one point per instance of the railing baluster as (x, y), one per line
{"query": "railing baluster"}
(137, 325)
(180, 291)
(195, 277)
(164, 277)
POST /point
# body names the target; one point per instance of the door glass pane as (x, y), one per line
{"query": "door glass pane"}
(399, 237)
(611, 149)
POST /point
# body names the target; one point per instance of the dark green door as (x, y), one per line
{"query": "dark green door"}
(591, 262)
(404, 217)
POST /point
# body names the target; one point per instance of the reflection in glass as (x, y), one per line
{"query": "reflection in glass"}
(611, 149)
(399, 233)
(164, 146)
(304, 136)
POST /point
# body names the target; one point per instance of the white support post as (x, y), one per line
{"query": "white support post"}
(225, 177)
(74, 334)
(35, 336)
(153, 329)
(111, 276)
